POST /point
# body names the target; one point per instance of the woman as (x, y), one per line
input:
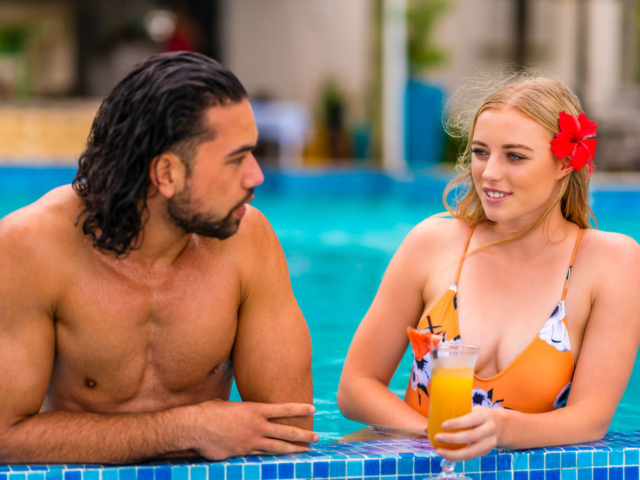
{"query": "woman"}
(496, 276)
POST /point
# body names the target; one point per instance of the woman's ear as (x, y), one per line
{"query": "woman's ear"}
(168, 174)
(565, 168)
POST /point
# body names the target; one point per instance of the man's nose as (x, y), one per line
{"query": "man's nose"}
(254, 176)
(493, 169)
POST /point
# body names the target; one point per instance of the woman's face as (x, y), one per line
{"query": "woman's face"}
(514, 171)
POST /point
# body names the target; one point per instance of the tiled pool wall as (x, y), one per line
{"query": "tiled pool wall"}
(614, 458)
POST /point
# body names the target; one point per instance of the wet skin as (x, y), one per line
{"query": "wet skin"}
(148, 340)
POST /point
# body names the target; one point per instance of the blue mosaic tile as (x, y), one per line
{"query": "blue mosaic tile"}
(354, 468)
(536, 461)
(321, 470)
(585, 459)
(197, 473)
(520, 462)
(163, 473)
(143, 474)
(536, 474)
(552, 475)
(17, 476)
(551, 460)
(488, 476)
(107, 474)
(405, 477)
(234, 472)
(303, 470)
(568, 460)
(503, 462)
(631, 456)
(616, 458)
(251, 472)
(35, 476)
(19, 468)
(568, 473)
(216, 472)
(41, 468)
(422, 465)
(521, 475)
(505, 475)
(177, 473)
(4, 468)
(630, 473)
(269, 471)
(57, 475)
(67, 476)
(616, 473)
(337, 469)
(371, 468)
(488, 464)
(435, 465)
(600, 459)
(405, 466)
(286, 470)
(3, 476)
(388, 466)
(585, 473)
(600, 474)
(474, 476)
(472, 466)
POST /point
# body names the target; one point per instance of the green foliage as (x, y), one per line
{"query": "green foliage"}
(13, 39)
(422, 17)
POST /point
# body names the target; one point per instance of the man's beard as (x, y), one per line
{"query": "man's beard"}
(181, 212)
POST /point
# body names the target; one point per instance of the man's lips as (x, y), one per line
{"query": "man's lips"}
(242, 209)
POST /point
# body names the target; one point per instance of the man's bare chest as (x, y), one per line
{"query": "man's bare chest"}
(121, 339)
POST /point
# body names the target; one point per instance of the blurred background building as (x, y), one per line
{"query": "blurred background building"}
(333, 82)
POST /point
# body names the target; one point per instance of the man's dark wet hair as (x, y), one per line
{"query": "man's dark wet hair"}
(158, 107)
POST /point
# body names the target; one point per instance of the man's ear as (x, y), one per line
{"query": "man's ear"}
(168, 174)
(565, 168)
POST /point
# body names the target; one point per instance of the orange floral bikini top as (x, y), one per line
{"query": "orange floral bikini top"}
(537, 381)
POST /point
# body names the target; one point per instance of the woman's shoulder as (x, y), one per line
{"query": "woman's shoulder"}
(438, 231)
(610, 252)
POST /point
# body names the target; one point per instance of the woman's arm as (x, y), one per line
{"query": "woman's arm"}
(606, 360)
(381, 338)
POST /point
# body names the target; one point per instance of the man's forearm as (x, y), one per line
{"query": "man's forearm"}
(67, 437)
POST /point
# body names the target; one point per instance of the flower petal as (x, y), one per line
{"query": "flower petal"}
(580, 157)
(562, 145)
(569, 124)
(587, 127)
(590, 143)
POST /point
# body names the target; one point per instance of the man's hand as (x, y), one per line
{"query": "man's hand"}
(227, 429)
(481, 434)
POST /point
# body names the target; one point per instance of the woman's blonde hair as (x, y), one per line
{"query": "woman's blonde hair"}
(537, 97)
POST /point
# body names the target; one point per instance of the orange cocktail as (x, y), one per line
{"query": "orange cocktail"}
(451, 386)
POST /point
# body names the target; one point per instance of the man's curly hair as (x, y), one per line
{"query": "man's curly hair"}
(157, 107)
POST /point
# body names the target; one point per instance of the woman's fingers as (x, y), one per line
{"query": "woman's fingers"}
(486, 429)
(473, 419)
(474, 450)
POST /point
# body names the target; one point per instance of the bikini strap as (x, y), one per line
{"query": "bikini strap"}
(573, 257)
(466, 247)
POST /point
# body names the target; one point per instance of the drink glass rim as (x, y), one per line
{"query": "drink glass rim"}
(456, 347)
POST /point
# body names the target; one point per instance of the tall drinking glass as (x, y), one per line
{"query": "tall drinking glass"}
(450, 397)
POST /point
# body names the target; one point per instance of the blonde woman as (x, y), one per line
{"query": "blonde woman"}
(556, 352)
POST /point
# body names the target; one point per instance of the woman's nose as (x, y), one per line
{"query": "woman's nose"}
(492, 170)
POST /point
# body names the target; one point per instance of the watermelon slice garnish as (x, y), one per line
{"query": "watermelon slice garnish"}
(422, 341)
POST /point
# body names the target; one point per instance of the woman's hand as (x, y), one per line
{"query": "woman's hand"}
(482, 435)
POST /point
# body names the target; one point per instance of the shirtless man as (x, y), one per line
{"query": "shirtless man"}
(131, 300)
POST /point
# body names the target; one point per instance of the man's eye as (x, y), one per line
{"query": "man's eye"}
(237, 161)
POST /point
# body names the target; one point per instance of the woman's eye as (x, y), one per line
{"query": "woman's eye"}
(478, 152)
(515, 157)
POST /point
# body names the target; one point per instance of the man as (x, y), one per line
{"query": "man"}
(131, 300)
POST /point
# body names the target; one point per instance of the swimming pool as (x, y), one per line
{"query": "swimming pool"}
(339, 231)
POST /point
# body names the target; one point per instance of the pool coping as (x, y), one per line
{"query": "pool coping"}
(616, 457)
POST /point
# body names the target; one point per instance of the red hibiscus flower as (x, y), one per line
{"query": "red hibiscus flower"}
(577, 140)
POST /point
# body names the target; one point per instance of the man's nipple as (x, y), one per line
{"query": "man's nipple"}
(90, 382)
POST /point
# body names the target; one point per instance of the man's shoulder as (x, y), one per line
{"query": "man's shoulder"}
(45, 224)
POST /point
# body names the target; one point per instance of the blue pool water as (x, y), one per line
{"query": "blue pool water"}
(339, 232)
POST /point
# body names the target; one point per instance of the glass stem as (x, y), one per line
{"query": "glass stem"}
(447, 469)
